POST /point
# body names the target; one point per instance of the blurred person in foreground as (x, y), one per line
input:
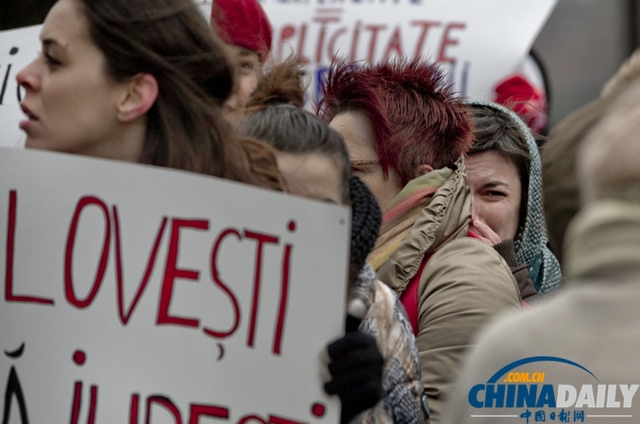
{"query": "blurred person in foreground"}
(560, 184)
(407, 136)
(585, 340)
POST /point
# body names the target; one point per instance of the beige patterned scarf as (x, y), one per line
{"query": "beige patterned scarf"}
(401, 213)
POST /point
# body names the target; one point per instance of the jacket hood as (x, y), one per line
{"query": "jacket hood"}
(445, 218)
(532, 241)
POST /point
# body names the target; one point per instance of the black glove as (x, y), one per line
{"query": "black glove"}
(356, 368)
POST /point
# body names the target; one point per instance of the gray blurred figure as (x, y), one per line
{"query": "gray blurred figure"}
(574, 357)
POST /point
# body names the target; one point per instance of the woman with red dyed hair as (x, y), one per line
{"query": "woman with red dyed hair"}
(407, 136)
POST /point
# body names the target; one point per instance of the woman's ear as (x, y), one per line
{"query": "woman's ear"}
(140, 93)
(422, 169)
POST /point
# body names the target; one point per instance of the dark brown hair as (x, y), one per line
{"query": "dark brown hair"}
(277, 118)
(282, 83)
(494, 130)
(171, 40)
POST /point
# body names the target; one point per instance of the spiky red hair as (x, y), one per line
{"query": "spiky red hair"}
(414, 116)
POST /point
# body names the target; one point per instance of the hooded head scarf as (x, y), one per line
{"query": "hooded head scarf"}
(531, 239)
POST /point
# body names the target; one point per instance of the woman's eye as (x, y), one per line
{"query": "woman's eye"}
(247, 65)
(50, 60)
(494, 194)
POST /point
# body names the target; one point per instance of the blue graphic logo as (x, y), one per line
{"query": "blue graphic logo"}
(509, 388)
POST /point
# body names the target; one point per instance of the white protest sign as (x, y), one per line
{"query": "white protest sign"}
(478, 42)
(17, 49)
(134, 294)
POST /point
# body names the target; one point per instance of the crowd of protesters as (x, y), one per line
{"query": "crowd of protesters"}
(448, 195)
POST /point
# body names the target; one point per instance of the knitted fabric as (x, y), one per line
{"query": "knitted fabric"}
(386, 319)
(366, 218)
(531, 240)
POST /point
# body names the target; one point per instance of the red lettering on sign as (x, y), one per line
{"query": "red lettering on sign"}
(124, 316)
(248, 418)
(395, 45)
(93, 405)
(77, 403)
(133, 412)
(354, 42)
(198, 410)
(422, 38)
(331, 46)
(323, 32)
(286, 32)
(68, 262)
(274, 419)
(8, 276)
(304, 60)
(77, 399)
(218, 281)
(172, 272)
(374, 39)
(447, 41)
(167, 404)
(261, 239)
(284, 292)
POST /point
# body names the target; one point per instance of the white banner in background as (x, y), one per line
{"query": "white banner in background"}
(131, 291)
(478, 42)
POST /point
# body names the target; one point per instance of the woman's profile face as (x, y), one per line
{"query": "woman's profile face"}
(356, 130)
(248, 69)
(70, 102)
(496, 192)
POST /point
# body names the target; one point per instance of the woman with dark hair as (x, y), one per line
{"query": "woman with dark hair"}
(504, 171)
(139, 81)
(315, 164)
(407, 135)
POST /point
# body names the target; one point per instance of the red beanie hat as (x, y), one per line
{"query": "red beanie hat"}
(530, 103)
(243, 23)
